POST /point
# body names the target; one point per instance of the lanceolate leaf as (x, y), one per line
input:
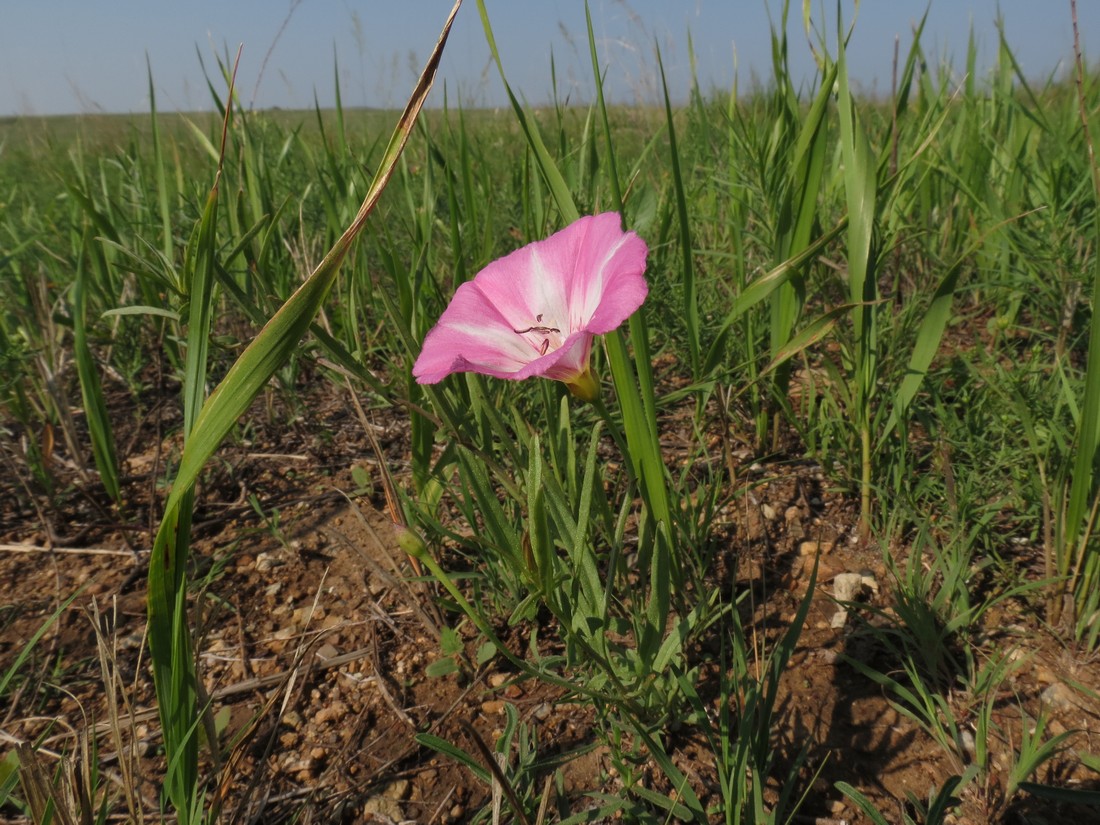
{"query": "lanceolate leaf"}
(764, 286)
(813, 332)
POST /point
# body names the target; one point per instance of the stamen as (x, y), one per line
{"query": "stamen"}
(541, 329)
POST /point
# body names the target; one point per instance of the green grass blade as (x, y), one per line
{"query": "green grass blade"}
(601, 107)
(456, 753)
(158, 164)
(863, 803)
(635, 387)
(281, 334)
(860, 192)
(860, 188)
(1084, 480)
(200, 293)
(169, 632)
(1067, 796)
(814, 332)
(28, 648)
(547, 168)
(929, 335)
(91, 390)
(761, 288)
(691, 305)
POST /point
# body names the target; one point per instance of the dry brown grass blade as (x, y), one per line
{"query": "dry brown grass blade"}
(397, 516)
(288, 680)
(45, 796)
(499, 779)
(120, 713)
(404, 125)
(64, 551)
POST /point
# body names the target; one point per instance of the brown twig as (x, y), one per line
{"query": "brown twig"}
(72, 551)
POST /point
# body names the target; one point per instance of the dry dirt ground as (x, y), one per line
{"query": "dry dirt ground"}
(314, 641)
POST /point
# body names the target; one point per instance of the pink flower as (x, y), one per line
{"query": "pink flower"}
(535, 311)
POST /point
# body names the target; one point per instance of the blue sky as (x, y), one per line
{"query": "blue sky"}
(80, 56)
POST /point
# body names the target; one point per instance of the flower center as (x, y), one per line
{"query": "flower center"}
(541, 336)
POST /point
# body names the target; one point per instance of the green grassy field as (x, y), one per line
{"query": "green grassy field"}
(868, 348)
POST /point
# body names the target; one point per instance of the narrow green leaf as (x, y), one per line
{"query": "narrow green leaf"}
(582, 558)
(36, 637)
(95, 406)
(280, 336)
(200, 291)
(863, 803)
(456, 753)
(809, 335)
(691, 306)
(1083, 483)
(160, 312)
(158, 167)
(1068, 796)
(765, 285)
(547, 168)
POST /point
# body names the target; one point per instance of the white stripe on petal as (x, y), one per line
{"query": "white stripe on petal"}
(547, 293)
(510, 345)
(587, 300)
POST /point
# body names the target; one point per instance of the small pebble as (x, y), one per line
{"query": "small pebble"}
(398, 789)
(266, 562)
(336, 711)
(327, 651)
(847, 587)
(1057, 696)
(812, 548)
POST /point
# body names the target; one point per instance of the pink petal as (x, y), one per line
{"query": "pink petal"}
(585, 279)
(563, 364)
(607, 285)
(471, 335)
(524, 285)
(576, 258)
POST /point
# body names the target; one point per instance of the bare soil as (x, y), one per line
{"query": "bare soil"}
(314, 638)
